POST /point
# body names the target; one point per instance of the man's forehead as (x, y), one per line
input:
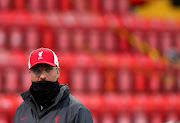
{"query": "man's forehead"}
(41, 65)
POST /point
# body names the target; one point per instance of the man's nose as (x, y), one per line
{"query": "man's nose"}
(43, 75)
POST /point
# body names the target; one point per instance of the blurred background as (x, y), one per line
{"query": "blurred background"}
(120, 58)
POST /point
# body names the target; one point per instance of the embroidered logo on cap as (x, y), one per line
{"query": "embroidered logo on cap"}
(40, 55)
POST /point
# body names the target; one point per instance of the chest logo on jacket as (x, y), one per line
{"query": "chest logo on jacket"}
(56, 119)
(23, 118)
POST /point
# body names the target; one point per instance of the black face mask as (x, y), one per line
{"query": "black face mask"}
(44, 92)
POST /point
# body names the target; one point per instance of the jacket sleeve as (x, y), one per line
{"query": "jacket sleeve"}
(83, 116)
(16, 119)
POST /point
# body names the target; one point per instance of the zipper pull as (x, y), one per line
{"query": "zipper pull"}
(37, 120)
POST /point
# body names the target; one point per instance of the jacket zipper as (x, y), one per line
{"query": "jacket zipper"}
(37, 120)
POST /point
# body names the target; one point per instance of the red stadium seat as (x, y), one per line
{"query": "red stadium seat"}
(139, 81)
(154, 82)
(78, 39)
(32, 38)
(63, 41)
(140, 116)
(177, 42)
(77, 79)
(124, 117)
(49, 5)
(94, 5)
(25, 80)
(6, 104)
(94, 80)
(34, 5)
(47, 38)
(3, 38)
(107, 117)
(16, 38)
(11, 80)
(108, 6)
(152, 39)
(124, 80)
(79, 6)
(112, 103)
(165, 42)
(64, 5)
(1, 86)
(156, 117)
(4, 5)
(123, 7)
(4, 119)
(171, 116)
(94, 40)
(109, 42)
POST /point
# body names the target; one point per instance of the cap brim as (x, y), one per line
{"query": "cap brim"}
(43, 62)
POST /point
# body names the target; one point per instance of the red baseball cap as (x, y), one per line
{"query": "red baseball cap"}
(43, 55)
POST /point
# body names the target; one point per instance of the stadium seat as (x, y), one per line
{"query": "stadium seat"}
(124, 80)
(154, 82)
(108, 6)
(4, 5)
(49, 5)
(11, 80)
(94, 80)
(124, 117)
(156, 117)
(78, 40)
(123, 7)
(177, 41)
(47, 38)
(25, 80)
(77, 79)
(6, 104)
(1, 80)
(165, 42)
(109, 42)
(3, 38)
(171, 116)
(94, 40)
(34, 5)
(32, 38)
(16, 38)
(140, 116)
(63, 43)
(107, 117)
(152, 39)
(4, 119)
(139, 81)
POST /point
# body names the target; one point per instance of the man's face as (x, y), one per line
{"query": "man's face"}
(41, 72)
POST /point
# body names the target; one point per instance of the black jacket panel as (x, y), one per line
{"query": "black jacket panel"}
(66, 109)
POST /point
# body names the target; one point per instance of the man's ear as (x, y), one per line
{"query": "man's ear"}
(58, 72)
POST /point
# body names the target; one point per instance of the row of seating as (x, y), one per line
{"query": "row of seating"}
(68, 5)
(92, 41)
(93, 80)
(112, 107)
(88, 20)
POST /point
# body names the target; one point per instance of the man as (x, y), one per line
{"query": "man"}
(47, 101)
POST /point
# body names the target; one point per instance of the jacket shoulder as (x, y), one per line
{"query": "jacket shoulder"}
(76, 106)
(80, 113)
(74, 102)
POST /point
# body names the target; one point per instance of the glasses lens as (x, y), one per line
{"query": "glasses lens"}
(49, 70)
(36, 71)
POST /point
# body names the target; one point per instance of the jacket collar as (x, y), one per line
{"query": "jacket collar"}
(64, 91)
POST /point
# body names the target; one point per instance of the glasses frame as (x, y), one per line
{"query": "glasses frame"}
(41, 71)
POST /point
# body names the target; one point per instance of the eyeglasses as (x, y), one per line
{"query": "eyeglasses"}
(38, 71)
